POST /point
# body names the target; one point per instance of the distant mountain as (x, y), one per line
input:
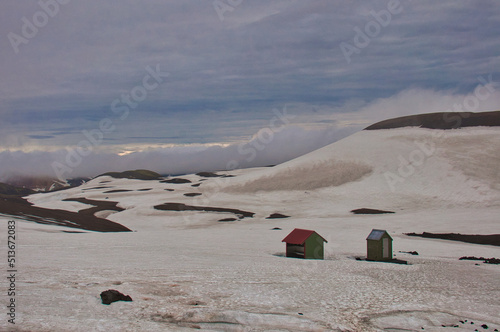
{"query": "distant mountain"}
(8, 190)
(43, 183)
(443, 120)
(139, 174)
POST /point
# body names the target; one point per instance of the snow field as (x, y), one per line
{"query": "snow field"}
(185, 270)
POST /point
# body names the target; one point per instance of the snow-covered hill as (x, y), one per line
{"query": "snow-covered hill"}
(187, 270)
(456, 166)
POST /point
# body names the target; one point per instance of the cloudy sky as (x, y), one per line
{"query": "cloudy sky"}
(182, 86)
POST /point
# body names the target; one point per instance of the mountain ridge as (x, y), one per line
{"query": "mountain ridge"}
(441, 120)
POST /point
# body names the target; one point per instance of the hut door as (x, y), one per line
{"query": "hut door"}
(386, 247)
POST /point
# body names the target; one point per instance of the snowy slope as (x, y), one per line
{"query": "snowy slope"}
(186, 271)
(459, 165)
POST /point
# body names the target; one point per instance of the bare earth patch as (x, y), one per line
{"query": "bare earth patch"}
(370, 211)
(183, 207)
(493, 239)
(84, 219)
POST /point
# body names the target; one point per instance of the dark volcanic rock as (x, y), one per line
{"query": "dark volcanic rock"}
(98, 205)
(277, 216)
(116, 191)
(183, 207)
(139, 174)
(112, 295)
(83, 219)
(213, 175)
(493, 239)
(176, 181)
(370, 211)
(192, 194)
(228, 219)
(96, 188)
(414, 253)
(485, 260)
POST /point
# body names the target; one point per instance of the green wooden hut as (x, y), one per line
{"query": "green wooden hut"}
(304, 243)
(379, 246)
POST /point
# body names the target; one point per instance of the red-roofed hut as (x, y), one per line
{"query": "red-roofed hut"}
(304, 243)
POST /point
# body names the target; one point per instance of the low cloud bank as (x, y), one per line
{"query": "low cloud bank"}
(269, 146)
(265, 148)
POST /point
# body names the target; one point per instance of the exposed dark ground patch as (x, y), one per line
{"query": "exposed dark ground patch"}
(213, 175)
(196, 185)
(442, 120)
(183, 207)
(95, 188)
(493, 239)
(277, 216)
(145, 189)
(227, 219)
(414, 253)
(370, 211)
(169, 189)
(85, 219)
(98, 205)
(138, 174)
(192, 194)
(176, 181)
(117, 191)
(485, 260)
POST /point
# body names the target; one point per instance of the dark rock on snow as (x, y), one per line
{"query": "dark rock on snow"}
(176, 181)
(192, 194)
(112, 295)
(370, 211)
(228, 219)
(491, 239)
(492, 260)
(414, 253)
(277, 216)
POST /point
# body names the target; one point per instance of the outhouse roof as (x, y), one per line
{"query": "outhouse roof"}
(377, 234)
(299, 236)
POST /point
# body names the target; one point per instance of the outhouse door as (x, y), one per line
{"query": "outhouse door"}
(386, 247)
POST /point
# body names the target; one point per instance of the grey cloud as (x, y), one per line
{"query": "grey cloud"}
(225, 76)
(261, 150)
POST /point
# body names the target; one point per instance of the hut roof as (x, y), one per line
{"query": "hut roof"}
(299, 236)
(377, 234)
